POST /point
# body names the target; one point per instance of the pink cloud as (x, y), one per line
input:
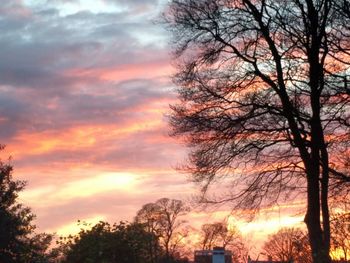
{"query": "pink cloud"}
(124, 72)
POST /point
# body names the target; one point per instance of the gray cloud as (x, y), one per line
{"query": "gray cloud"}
(51, 67)
(39, 51)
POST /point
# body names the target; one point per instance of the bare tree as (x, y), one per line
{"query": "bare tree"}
(211, 235)
(229, 237)
(219, 234)
(264, 100)
(288, 245)
(149, 217)
(163, 219)
(340, 225)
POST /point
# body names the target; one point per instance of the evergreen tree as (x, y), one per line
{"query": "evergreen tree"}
(18, 242)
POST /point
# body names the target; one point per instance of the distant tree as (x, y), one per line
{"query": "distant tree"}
(171, 222)
(149, 217)
(211, 235)
(264, 100)
(222, 235)
(103, 243)
(288, 245)
(18, 241)
(340, 225)
(163, 218)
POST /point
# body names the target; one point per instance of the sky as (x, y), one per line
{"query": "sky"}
(84, 93)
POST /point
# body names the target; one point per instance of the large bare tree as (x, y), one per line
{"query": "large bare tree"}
(264, 100)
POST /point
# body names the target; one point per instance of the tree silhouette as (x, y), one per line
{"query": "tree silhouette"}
(149, 216)
(18, 241)
(118, 243)
(211, 235)
(163, 219)
(264, 100)
(222, 235)
(340, 225)
(288, 245)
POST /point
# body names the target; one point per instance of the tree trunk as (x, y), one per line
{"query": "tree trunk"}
(324, 199)
(318, 242)
(317, 185)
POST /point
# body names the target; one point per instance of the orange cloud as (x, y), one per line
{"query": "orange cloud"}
(73, 228)
(76, 137)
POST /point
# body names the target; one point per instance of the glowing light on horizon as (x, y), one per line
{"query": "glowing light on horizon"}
(74, 228)
(337, 254)
(102, 183)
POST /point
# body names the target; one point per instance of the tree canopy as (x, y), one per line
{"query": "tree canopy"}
(163, 219)
(265, 100)
(152, 238)
(105, 243)
(18, 241)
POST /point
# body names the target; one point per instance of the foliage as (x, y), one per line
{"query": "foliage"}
(264, 100)
(18, 241)
(103, 243)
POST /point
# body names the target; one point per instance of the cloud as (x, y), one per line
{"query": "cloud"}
(72, 66)
(84, 88)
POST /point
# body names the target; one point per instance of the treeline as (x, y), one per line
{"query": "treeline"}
(155, 236)
(117, 243)
(158, 234)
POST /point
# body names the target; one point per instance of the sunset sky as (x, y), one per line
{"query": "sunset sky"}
(84, 91)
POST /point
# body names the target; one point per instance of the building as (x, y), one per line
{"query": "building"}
(217, 255)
